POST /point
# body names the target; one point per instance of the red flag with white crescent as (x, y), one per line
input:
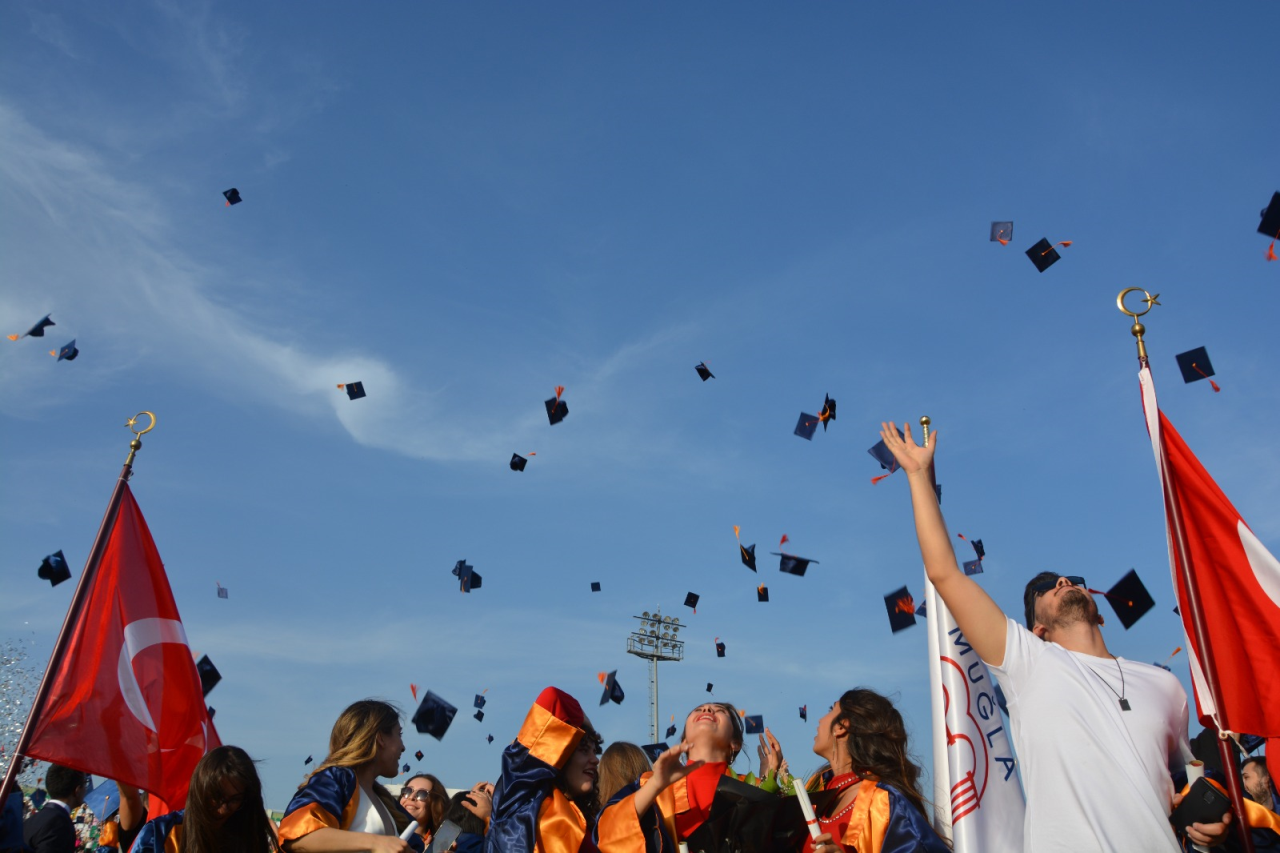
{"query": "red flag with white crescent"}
(1238, 581)
(126, 702)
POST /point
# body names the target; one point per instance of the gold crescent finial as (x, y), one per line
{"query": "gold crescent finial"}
(136, 444)
(924, 427)
(1137, 329)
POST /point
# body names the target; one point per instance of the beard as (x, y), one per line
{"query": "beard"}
(1075, 606)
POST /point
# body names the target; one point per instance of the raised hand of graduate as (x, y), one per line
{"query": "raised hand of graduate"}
(770, 752)
(912, 457)
(667, 770)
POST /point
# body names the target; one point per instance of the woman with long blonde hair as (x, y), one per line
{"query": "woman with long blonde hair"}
(341, 807)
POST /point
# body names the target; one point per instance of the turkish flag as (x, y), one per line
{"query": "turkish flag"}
(1237, 581)
(125, 702)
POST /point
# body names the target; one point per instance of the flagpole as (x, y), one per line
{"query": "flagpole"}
(77, 603)
(1173, 518)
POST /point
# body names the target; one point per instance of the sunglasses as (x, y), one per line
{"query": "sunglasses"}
(233, 803)
(419, 794)
(1044, 586)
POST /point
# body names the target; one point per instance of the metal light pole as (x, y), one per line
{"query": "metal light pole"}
(655, 640)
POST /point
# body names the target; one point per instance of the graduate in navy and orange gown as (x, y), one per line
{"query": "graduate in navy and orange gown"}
(341, 806)
(545, 801)
(879, 808)
(224, 811)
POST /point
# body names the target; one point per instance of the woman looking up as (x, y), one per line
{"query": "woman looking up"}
(341, 807)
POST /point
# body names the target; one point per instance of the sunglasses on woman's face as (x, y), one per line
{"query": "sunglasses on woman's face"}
(419, 794)
(1046, 585)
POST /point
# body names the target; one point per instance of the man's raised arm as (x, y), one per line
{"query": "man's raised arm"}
(980, 618)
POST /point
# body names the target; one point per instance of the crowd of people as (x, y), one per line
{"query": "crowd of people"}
(1100, 740)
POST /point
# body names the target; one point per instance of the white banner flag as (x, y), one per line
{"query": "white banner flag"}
(977, 795)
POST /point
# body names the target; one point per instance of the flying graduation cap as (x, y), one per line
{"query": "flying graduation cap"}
(920, 611)
(36, 331)
(748, 553)
(1195, 365)
(754, 724)
(479, 715)
(791, 564)
(489, 738)
(808, 424)
(1129, 598)
(1044, 254)
(468, 577)
(595, 586)
(209, 675)
(405, 768)
(54, 569)
(653, 750)
(418, 755)
(222, 590)
(1001, 232)
(901, 608)
(973, 567)
(557, 409)
(308, 761)
(762, 594)
(888, 462)
(977, 546)
(1270, 224)
(434, 715)
(671, 730)
(355, 390)
(709, 686)
(518, 462)
(704, 372)
(720, 647)
(612, 689)
(232, 196)
(479, 701)
(804, 713)
(67, 353)
(691, 601)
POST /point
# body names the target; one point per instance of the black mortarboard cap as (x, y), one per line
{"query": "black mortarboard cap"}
(792, 564)
(828, 412)
(209, 675)
(68, 352)
(355, 390)
(518, 462)
(595, 586)
(881, 453)
(36, 331)
(762, 593)
(232, 196)
(807, 426)
(489, 738)
(671, 730)
(748, 555)
(804, 713)
(479, 715)
(973, 567)
(557, 409)
(54, 569)
(1195, 364)
(211, 711)
(653, 750)
(720, 647)
(405, 768)
(901, 609)
(1130, 599)
(937, 490)
(1043, 255)
(1001, 232)
(921, 611)
(468, 577)
(479, 701)
(709, 686)
(308, 761)
(1270, 224)
(691, 600)
(222, 591)
(704, 372)
(978, 549)
(418, 755)
(754, 724)
(612, 690)
(433, 716)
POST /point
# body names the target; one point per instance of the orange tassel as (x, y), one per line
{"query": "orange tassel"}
(1216, 389)
(875, 480)
(1002, 241)
(1271, 254)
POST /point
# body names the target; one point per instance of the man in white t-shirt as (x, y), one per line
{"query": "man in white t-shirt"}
(1096, 735)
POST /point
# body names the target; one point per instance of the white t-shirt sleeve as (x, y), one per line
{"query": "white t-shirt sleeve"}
(1021, 651)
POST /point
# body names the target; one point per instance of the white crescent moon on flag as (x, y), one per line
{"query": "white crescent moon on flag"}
(1265, 567)
(140, 635)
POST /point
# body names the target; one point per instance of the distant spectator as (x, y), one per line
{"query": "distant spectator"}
(621, 764)
(426, 800)
(1257, 782)
(224, 811)
(462, 811)
(50, 830)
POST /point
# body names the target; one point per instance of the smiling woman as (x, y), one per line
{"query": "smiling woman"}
(341, 806)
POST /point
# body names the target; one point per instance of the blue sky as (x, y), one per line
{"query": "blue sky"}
(465, 205)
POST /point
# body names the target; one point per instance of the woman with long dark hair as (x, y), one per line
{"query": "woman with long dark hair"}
(224, 811)
(545, 801)
(425, 799)
(341, 806)
(879, 808)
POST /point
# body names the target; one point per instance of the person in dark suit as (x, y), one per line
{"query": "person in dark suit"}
(50, 830)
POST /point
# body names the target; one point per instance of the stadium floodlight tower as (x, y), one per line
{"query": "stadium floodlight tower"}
(655, 640)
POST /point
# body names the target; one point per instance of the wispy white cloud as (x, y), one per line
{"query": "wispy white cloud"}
(48, 27)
